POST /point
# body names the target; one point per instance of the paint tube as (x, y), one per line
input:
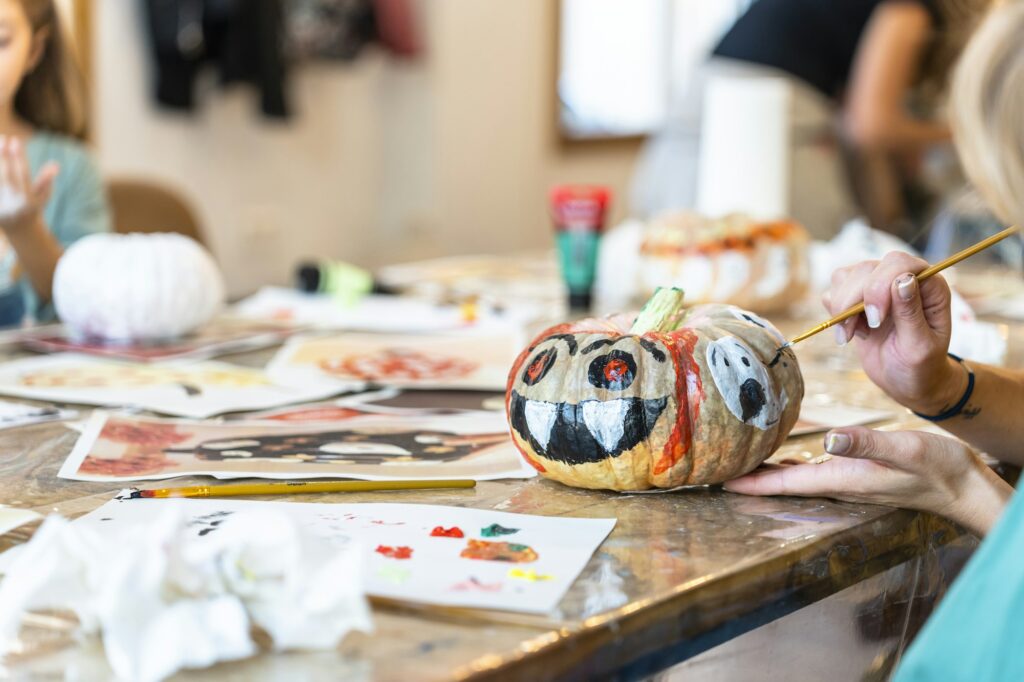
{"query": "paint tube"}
(579, 212)
(344, 280)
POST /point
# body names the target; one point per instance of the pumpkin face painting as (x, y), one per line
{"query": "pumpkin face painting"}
(681, 397)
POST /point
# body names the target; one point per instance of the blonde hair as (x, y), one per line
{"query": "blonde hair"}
(987, 107)
(52, 95)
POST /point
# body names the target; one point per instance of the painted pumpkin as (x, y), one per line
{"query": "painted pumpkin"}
(682, 397)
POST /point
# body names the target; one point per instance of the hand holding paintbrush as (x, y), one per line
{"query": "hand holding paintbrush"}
(901, 313)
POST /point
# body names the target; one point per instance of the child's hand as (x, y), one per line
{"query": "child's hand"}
(901, 469)
(22, 199)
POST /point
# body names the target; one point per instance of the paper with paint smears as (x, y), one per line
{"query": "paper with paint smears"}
(434, 361)
(403, 559)
(366, 446)
(186, 389)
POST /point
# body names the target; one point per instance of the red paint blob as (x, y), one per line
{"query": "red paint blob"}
(442, 532)
(401, 552)
(615, 370)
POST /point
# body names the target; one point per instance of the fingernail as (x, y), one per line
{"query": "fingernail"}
(840, 335)
(874, 316)
(837, 443)
(905, 287)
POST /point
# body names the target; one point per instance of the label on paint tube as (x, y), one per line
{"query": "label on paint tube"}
(579, 214)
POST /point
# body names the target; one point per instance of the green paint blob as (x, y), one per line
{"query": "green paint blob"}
(496, 531)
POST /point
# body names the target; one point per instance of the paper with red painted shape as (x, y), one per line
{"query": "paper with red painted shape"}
(402, 560)
(434, 361)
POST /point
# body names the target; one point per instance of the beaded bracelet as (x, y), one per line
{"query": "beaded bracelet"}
(959, 407)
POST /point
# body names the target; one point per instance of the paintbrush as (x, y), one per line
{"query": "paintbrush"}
(294, 488)
(921, 276)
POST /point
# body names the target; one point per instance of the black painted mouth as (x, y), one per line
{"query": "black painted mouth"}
(590, 431)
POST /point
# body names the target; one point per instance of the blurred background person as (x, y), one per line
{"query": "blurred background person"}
(50, 191)
(866, 79)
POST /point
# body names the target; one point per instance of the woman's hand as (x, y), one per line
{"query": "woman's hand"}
(22, 199)
(903, 336)
(900, 469)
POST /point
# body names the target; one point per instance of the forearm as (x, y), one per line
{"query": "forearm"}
(993, 418)
(981, 500)
(38, 252)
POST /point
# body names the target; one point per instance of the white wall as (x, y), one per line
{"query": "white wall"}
(383, 161)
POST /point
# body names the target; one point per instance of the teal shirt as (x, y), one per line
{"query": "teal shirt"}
(77, 207)
(977, 633)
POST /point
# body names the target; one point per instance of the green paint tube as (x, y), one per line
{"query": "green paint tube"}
(579, 213)
(343, 280)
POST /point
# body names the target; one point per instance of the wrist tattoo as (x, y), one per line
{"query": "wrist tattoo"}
(970, 412)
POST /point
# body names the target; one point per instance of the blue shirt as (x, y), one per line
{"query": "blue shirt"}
(977, 633)
(77, 207)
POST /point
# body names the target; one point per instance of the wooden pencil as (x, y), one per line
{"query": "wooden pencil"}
(297, 487)
(921, 276)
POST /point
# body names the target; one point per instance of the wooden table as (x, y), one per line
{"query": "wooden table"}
(681, 577)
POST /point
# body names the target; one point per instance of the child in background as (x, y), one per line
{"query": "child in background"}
(50, 192)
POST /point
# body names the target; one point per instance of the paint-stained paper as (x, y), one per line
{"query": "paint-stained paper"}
(347, 443)
(496, 560)
(186, 389)
(427, 361)
(219, 337)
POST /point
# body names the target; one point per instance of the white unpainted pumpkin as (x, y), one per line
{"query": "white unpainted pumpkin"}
(136, 287)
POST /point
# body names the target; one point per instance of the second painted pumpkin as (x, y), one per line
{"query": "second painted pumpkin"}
(676, 397)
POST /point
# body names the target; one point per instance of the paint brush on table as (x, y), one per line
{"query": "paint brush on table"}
(921, 276)
(295, 488)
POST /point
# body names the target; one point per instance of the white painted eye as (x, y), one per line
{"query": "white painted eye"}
(750, 317)
(744, 383)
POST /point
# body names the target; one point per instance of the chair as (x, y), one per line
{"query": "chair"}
(144, 206)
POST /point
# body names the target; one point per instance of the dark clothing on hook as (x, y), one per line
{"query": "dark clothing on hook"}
(814, 40)
(244, 39)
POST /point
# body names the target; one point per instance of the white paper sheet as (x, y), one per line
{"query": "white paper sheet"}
(187, 389)
(425, 361)
(13, 414)
(820, 418)
(11, 518)
(373, 313)
(544, 554)
(373, 447)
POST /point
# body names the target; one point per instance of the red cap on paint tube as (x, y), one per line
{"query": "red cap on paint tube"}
(579, 206)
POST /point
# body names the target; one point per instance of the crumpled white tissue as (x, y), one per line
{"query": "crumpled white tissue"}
(165, 599)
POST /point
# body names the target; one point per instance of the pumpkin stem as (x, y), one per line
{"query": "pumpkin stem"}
(662, 313)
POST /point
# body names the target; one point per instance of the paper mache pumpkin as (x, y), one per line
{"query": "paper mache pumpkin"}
(131, 288)
(759, 265)
(681, 397)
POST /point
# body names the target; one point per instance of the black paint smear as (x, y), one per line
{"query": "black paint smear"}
(569, 339)
(752, 399)
(191, 391)
(571, 441)
(547, 359)
(597, 344)
(653, 349)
